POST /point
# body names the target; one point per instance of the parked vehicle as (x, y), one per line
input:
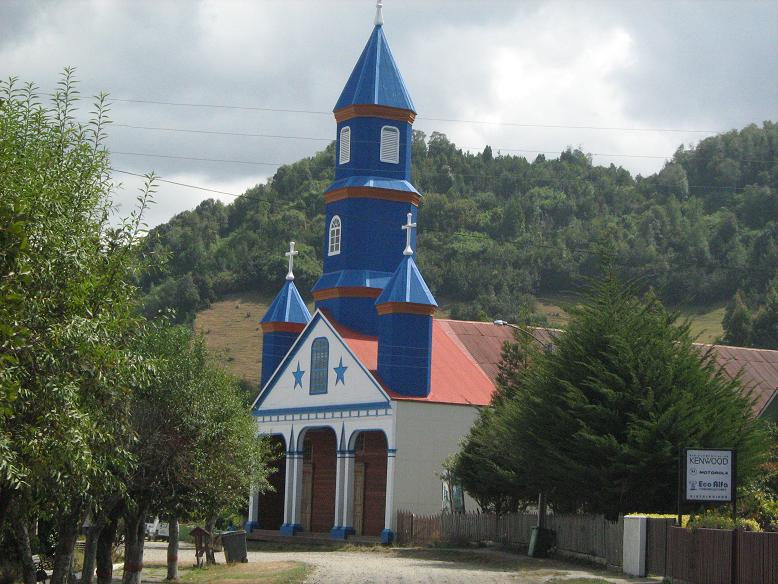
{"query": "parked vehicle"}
(156, 529)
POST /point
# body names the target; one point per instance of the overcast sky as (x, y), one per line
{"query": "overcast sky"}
(602, 76)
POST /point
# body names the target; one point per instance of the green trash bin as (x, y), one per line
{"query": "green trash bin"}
(234, 544)
(541, 540)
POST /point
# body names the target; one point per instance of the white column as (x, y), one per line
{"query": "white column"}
(387, 535)
(253, 510)
(339, 463)
(347, 521)
(297, 489)
(288, 485)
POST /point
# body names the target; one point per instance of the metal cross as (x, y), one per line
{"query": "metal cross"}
(290, 254)
(408, 227)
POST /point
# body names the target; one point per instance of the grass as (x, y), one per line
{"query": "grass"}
(705, 321)
(251, 573)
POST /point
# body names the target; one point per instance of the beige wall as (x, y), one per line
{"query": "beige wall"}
(426, 433)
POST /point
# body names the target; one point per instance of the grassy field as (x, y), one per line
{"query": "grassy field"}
(232, 332)
(705, 320)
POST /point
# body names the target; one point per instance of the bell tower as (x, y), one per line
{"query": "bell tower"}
(371, 196)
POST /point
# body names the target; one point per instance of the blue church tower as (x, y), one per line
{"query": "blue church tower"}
(372, 194)
(283, 322)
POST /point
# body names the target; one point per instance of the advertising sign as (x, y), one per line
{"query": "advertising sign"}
(710, 475)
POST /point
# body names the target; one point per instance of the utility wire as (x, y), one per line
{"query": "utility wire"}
(172, 182)
(431, 119)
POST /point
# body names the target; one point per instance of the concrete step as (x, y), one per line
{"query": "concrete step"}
(323, 539)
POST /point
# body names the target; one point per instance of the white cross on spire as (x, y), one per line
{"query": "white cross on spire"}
(290, 254)
(379, 17)
(408, 231)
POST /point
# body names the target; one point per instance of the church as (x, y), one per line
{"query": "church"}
(368, 396)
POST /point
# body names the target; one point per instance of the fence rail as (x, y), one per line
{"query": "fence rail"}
(589, 535)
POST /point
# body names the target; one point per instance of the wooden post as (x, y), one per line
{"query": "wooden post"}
(541, 510)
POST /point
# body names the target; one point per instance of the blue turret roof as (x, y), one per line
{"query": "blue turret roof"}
(407, 285)
(376, 80)
(288, 306)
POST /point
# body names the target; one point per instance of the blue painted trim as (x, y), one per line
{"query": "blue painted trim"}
(391, 450)
(322, 409)
(250, 526)
(341, 532)
(387, 536)
(293, 351)
(352, 439)
(291, 528)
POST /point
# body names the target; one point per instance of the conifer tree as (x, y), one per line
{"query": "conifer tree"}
(597, 424)
(737, 322)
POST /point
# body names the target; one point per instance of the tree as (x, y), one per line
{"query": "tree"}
(66, 352)
(765, 328)
(737, 322)
(597, 424)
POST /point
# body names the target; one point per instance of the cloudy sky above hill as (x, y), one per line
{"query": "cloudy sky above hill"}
(523, 77)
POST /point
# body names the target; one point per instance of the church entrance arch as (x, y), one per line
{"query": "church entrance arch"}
(319, 469)
(369, 502)
(271, 503)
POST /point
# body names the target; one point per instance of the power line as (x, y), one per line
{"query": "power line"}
(172, 182)
(431, 119)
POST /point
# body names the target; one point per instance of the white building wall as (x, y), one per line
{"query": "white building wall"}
(426, 434)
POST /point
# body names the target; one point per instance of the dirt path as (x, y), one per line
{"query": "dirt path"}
(412, 566)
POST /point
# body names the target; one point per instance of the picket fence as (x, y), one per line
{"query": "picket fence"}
(591, 536)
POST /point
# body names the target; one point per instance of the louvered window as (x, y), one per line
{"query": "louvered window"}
(390, 144)
(334, 239)
(320, 360)
(344, 156)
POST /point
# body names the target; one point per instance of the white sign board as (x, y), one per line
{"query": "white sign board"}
(709, 475)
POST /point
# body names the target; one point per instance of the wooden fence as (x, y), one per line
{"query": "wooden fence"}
(704, 556)
(583, 535)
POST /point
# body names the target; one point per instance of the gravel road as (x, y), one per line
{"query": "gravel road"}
(409, 566)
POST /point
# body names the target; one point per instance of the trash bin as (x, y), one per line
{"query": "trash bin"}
(234, 543)
(541, 540)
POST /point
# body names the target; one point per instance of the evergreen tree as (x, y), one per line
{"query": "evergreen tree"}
(737, 322)
(597, 424)
(765, 329)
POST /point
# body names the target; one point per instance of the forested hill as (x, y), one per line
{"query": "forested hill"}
(496, 229)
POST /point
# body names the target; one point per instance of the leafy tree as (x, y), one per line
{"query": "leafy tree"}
(765, 328)
(597, 424)
(67, 359)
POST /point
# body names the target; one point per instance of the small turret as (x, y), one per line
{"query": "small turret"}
(283, 322)
(405, 309)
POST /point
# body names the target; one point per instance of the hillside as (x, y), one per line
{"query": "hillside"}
(497, 231)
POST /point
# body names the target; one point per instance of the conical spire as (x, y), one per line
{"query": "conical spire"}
(376, 80)
(288, 306)
(407, 285)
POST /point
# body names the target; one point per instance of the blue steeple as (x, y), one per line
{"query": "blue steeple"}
(372, 194)
(407, 285)
(376, 80)
(287, 307)
(283, 322)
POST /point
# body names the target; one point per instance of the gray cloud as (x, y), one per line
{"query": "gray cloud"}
(692, 65)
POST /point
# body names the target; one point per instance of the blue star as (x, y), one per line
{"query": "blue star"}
(298, 376)
(340, 372)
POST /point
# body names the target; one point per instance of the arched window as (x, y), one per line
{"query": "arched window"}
(390, 144)
(334, 241)
(320, 360)
(345, 145)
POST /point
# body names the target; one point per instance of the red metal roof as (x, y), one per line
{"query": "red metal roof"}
(466, 355)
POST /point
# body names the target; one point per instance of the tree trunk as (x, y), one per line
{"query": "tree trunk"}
(133, 547)
(5, 505)
(66, 542)
(90, 549)
(105, 543)
(210, 557)
(22, 533)
(172, 550)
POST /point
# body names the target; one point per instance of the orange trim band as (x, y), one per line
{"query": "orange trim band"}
(282, 327)
(374, 111)
(346, 292)
(406, 308)
(372, 193)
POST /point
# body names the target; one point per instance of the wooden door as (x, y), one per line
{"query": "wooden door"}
(359, 496)
(307, 496)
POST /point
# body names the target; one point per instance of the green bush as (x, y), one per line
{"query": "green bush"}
(716, 520)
